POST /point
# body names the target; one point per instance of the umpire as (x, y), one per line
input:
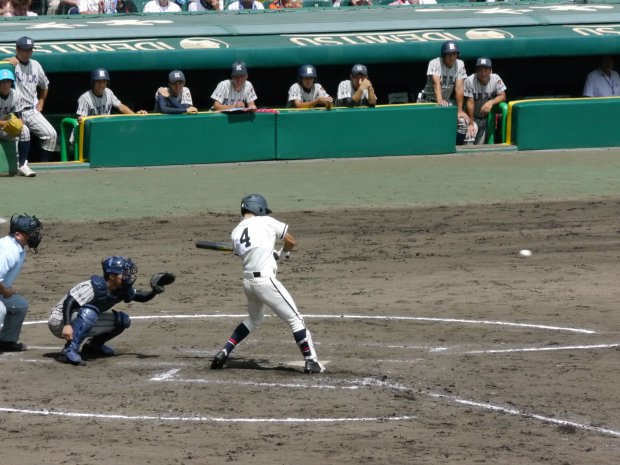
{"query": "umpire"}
(24, 230)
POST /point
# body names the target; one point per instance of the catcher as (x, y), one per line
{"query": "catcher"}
(83, 312)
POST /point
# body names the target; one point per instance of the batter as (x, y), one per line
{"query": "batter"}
(253, 241)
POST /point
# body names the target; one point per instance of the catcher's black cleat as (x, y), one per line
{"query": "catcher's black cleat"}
(313, 366)
(219, 359)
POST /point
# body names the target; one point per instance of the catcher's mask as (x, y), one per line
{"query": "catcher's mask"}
(29, 225)
(255, 203)
(120, 265)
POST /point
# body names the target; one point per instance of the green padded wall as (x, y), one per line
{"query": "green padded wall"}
(8, 158)
(179, 139)
(366, 132)
(566, 123)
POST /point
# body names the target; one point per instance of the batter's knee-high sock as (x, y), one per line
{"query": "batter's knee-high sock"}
(23, 149)
(304, 341)
(238, 335)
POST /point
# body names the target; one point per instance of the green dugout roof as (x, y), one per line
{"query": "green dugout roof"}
(323, 36)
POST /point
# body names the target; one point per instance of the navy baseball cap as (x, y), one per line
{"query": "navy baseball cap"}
(239, 69)
(359, 69)
(486, 62)
(176, 76)
(25, 43)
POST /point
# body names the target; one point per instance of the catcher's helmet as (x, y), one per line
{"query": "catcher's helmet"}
(307, 71)
(99, 74)
(120, 265)
(450, 47)
(255, 203)
(30, 225)
(6, 74)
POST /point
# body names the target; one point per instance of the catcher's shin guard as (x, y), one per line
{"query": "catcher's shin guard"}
(83, 323)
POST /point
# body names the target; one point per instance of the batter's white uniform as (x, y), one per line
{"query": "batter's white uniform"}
(226, 94)
(253, 241)
(449, 76)
(297, 92)
(29, 77)
(482, 93)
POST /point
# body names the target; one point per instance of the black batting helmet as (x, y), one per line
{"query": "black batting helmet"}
(255, 203)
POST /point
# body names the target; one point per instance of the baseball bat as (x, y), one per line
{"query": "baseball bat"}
(222, 246)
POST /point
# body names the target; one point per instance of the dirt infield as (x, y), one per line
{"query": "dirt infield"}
(443, 345)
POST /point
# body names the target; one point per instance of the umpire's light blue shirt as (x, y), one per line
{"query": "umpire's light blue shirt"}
(12, 256)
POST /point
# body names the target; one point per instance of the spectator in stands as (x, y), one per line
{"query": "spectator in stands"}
(236, 92)
(126, 6)
(161, 6)
(306, 92)
(176, 98)
(413, 2)
(21, 8)
(205, 5)
(246, 5)
(482, 90)
(603, 81)
(445, 75)
(278, 4)
(357, 90)
(360, 2)
(6, 8)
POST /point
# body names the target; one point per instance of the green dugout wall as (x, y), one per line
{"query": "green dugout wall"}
(288, 134)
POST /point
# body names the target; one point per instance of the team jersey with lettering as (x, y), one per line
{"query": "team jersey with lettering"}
(89, 104)
(180, 101)
(253, 240)
(7, 104)
(449, 76)
(345, 90)
(297, 92)
(482, 93)
(29, 77)
(226, 94)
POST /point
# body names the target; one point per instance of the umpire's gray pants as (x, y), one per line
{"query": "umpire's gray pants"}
(12, 314)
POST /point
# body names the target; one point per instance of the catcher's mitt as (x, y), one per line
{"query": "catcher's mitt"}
(159, 280)
(13, 126)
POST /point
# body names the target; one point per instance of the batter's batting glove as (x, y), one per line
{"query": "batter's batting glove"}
(159, 280)
(281, 255)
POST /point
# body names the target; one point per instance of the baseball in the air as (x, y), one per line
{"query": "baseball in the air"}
(525, 253)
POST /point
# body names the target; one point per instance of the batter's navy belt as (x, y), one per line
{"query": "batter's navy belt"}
(258, 274)
(27, 109)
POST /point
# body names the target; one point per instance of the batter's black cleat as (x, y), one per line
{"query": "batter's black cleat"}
(12, 346)
(313, 366)
(219, 359)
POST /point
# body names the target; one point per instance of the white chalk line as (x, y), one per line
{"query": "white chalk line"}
(367, 317)
(498, 408)
(204, 419)
(371, 382)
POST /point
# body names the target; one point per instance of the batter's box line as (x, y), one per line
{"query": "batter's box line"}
(368, 317)
(498, 408)
(371, 382)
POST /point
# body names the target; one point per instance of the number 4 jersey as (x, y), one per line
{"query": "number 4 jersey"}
(254, 239)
